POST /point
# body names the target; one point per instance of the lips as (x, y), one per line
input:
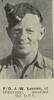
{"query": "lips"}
(21, 44)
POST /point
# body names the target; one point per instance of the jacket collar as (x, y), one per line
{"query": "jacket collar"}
(39, 62)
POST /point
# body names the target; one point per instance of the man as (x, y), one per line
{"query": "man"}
(25, 30)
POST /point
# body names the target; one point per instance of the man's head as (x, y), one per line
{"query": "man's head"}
(24, 26)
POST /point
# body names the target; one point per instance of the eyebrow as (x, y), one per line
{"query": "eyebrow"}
(30, 30)
(18, 29)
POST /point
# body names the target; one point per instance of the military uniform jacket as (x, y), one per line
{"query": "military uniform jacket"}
(40, 67)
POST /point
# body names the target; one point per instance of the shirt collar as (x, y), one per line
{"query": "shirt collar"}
(38, 61)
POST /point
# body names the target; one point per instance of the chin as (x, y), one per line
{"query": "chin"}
(23, 52)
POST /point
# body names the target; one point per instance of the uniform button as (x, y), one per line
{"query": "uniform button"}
(26, 75)
(5, 67)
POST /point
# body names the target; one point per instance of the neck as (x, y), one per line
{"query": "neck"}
(27, 59)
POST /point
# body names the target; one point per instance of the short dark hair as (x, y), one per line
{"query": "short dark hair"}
(20, 10)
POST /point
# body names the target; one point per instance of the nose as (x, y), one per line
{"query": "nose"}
(23, 35)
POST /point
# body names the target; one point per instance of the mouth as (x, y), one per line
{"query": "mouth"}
(21, 45)
(21, 42)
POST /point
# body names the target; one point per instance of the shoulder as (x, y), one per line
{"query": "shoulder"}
(44, 61)
(48, 62)
(49, 66)
(5, 60)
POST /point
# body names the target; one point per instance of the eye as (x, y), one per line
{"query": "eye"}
(18, 31)
(29, 31)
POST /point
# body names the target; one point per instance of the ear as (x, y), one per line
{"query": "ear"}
(42, 32)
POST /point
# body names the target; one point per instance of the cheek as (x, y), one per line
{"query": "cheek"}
(12, 37)
(36, 34)
(33, 36)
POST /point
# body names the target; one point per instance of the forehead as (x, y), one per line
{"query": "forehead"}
(29, 20)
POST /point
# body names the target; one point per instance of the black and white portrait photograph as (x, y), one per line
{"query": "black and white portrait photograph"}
(26, 39)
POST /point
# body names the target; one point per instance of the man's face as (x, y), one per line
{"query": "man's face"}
(25, 35)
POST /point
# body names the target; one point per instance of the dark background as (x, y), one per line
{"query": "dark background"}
(46, 44)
